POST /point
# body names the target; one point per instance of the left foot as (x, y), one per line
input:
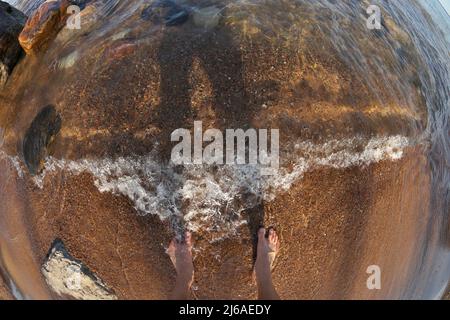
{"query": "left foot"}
(268, 247)
(180, 252)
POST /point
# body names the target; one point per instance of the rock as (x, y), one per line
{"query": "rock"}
(69, 61)
(88, 16)
(43, 25)
(88, 19)
(80, 3)
(12, 22)
(120, 50)
(176, 16)
(207, 18)
(396, 31)
(39, 136)
(120, 35)
(69, 277)
(167, 12)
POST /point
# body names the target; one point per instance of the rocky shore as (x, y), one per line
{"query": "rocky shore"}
(11, 24)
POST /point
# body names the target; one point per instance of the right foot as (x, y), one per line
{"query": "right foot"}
(267, 250)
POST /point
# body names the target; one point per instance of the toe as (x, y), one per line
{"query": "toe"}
(188, 238)
(172, 245)
(271, 234)
(172, 249)
(261, 234)
(276, 242)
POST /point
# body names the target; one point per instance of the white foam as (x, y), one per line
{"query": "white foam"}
(14, 161)
(214, 198)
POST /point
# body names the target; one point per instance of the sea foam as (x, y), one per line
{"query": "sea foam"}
(214, 197)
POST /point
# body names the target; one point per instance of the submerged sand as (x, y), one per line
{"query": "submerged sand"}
(4, 291)
(333, 224)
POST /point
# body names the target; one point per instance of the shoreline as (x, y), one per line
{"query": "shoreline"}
(137, 253)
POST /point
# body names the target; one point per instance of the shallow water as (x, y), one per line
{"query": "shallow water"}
(108, 82)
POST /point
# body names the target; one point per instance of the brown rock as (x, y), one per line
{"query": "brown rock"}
(121, 50)
(88, 18)
(43, 25)
(39, 136)
(11, 24)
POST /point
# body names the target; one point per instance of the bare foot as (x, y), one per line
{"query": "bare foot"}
(268, 247)
(180, 252)
(267, 250)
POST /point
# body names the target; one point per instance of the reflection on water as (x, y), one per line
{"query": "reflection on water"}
(342, 95)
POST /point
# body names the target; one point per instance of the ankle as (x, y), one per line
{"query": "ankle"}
(185, 281)
(181, 291)
(262, 270)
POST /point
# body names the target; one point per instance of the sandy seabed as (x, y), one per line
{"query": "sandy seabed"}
(333, 224)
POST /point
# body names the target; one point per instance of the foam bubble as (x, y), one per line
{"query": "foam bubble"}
(214, 197)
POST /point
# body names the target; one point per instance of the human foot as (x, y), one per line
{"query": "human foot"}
(180, 253)
(268, 247)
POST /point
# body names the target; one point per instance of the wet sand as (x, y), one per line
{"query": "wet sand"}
(4, 291)
(18, 261)
(333, 224)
